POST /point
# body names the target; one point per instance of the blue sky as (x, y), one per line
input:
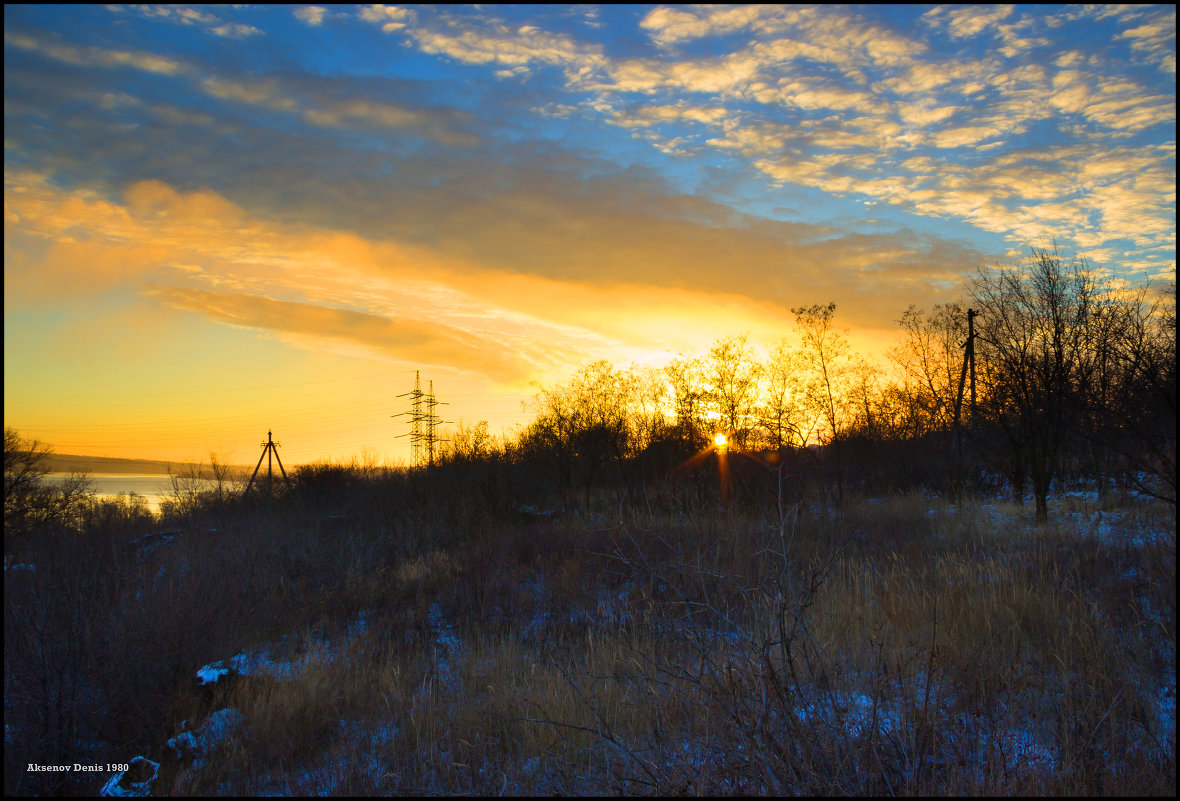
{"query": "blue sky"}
(206, 203)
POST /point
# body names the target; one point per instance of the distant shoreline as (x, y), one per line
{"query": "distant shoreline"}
(72, 463)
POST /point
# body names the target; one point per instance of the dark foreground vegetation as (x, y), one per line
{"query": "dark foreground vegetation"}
(849, 597)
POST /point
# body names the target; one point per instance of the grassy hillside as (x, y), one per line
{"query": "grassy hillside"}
(451, 631)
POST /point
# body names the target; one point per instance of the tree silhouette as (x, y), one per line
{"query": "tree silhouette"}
(1033, 345)
(732, 376)
(825, 353)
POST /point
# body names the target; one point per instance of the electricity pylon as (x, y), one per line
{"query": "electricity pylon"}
(269, 449)
(432, 424)
(423, 424)
(416, 419)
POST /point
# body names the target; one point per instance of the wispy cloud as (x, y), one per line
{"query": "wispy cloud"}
(263, 92)
(891, 96)
(199, 17)
(815, 97)
(504, 192)
(963, 22)
(1153, 36)
(96, 56)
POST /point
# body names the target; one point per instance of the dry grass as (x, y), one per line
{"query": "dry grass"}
(900, 646)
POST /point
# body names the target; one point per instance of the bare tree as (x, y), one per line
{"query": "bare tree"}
(28, 502)
(685, 377)
(1033, 334)
(650, 393)
(732, 376)
(786, 415)
(1107, 379)
(585, 423)
(930, 356)
(825, 354)
(865, 394)
(25, 463)
(1144, 403)
(469, 443)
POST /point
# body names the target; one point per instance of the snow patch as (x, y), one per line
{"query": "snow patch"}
(446, 644)
(210, 673)
(135, 782)
(200, 742)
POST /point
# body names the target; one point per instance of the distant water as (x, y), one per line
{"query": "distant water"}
(152, 488)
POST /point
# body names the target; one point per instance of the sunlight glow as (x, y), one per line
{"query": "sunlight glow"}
(719, 440)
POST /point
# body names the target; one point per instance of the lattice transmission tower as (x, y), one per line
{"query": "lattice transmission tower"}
(416, 418)
(424, 422)
(433, 421)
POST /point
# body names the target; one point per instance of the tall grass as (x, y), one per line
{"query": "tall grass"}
(439, 642)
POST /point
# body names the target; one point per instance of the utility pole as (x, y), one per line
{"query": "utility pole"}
(432, 424)
(968, 361)
(269, 450)
(423, 423)
(416, 418)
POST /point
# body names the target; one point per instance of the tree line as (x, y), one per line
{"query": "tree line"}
(1074, 374)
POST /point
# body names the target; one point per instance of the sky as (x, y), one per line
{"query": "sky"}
(224, 220)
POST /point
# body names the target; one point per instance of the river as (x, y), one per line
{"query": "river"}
(152, 488)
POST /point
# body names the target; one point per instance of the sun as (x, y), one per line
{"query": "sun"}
(719, 440)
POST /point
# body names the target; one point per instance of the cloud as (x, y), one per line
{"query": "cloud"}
(964, 22)
(813, 98)
(184, 15)
(646, 116)
(554, 276)
(1155, 39)
(424, 342)
(308, 98)
(515, 48)
(312, 15)
(265, 93)
(390, 18)
(669, 26)
(964, 136)
(363, 113)
(235, 30)
(190, 16)
(95, 56)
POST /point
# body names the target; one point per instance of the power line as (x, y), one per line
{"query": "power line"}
(424, 422)
(268, 448)
(415, 413)
(432, 423)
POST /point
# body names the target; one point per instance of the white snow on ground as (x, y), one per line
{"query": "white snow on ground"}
(1165, 719)
(125, 784)
(356, 753)
(1012, 750)
(447, 645)
(614, 607)
(1016, 748)
(1020, 751)
(541, 599)
(200, 742)
(359, 626)
(261, 663)
(209, 674)
(852, 712)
